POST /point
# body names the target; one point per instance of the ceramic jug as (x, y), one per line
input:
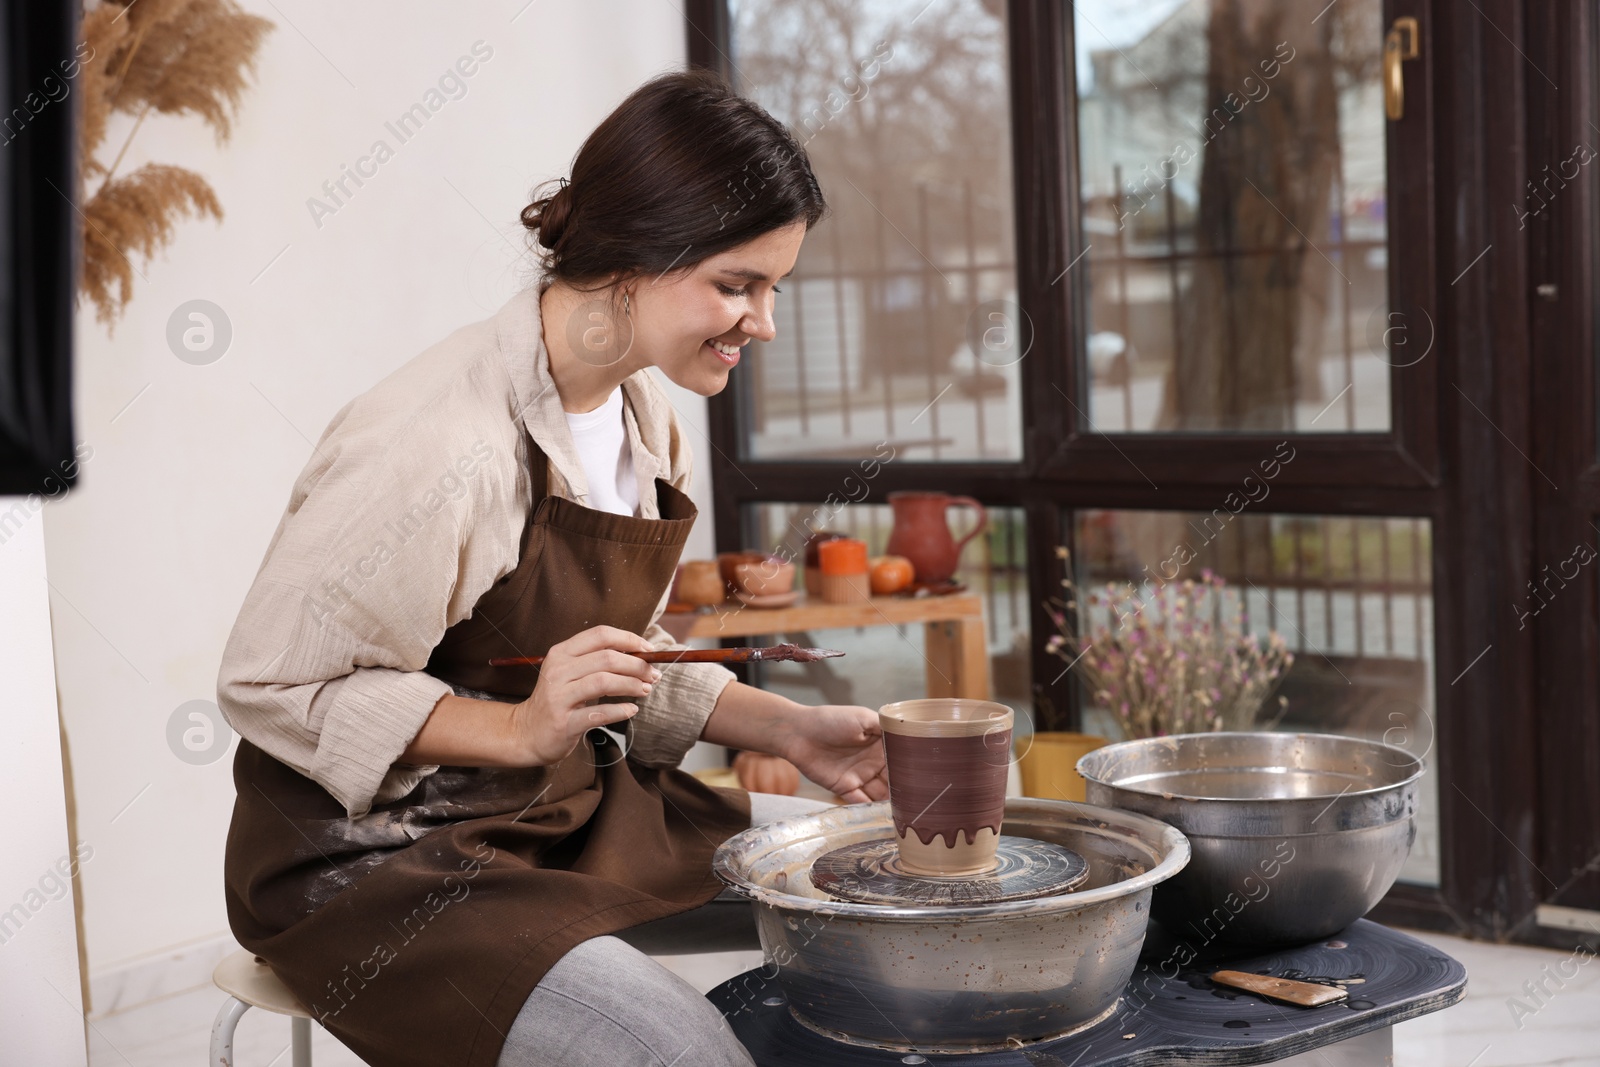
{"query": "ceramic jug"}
(921, 532)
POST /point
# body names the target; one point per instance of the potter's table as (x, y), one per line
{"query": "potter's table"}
(1171, 1014)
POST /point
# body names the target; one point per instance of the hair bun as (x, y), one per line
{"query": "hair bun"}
(548, 216)
(654, 180)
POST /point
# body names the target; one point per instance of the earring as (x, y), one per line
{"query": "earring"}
(625, 310)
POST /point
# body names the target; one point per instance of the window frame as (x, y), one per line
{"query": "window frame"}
(1441, 460)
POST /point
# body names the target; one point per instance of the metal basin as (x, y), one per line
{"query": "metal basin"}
(1295, 836)
(954, 977)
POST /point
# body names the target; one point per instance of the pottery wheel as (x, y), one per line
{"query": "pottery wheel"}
(869, 872)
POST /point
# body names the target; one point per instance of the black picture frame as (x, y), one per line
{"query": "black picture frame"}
(39, 239)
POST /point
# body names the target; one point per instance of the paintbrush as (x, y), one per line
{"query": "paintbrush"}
(703, 655)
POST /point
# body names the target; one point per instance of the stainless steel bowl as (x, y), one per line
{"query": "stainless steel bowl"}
(1295, 836)
(958, 977)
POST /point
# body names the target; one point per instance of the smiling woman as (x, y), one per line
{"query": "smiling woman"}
(384, 757)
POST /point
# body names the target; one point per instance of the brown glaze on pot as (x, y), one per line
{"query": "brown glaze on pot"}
(796, 654)
(943, 786)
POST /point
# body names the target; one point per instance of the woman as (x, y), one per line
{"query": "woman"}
(430, 852)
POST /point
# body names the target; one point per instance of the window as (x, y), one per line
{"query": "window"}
(899, 324)
(1197, 233)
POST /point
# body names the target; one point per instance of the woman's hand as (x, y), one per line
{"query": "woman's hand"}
(594, 663)
(840, 747)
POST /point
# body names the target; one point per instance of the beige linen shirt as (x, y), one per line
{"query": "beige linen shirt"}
(412, 505)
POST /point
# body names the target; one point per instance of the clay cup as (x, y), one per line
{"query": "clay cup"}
(947, 758)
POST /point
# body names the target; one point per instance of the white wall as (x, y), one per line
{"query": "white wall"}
(40, 998)
(191, 467)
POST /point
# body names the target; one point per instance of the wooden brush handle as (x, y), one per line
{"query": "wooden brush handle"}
(1288, 990)
(674, 655)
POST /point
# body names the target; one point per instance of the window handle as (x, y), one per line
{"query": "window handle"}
(1399, 44)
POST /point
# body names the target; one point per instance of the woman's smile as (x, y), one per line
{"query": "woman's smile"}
(726, 353)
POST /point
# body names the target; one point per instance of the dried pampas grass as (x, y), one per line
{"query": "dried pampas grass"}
(136, 214)
(176, 57)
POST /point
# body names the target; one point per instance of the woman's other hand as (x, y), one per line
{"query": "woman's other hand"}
(594, 663)
(840, 747)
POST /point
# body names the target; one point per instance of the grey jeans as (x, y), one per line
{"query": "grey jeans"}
(609, 1004)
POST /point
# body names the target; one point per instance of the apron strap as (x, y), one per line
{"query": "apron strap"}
(538, 471)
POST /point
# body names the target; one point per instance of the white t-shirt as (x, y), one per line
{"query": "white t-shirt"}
(602, 443)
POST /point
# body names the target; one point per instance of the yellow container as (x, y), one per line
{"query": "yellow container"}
(1048, 761)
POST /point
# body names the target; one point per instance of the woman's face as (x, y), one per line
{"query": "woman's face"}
(726, 299)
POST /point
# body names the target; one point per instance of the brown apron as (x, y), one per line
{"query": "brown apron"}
(416, 932)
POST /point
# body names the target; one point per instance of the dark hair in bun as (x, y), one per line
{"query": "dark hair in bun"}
(684, 168)
(547, 218)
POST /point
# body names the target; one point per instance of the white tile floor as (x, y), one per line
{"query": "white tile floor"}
(1561, 1027)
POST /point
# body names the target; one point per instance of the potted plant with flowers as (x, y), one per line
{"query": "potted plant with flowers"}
(1161, 658)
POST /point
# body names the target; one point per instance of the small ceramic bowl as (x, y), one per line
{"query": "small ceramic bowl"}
(766, 578)
(728, 563)
(700, 583)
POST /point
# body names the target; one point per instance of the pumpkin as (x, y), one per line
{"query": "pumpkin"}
(890, 574)
(761, 773)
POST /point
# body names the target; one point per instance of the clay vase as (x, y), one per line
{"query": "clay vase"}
(922, 532)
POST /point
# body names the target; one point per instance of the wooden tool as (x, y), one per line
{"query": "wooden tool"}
(703, 655)
(1304, 994)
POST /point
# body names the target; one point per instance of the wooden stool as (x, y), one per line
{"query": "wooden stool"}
(250, 983)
